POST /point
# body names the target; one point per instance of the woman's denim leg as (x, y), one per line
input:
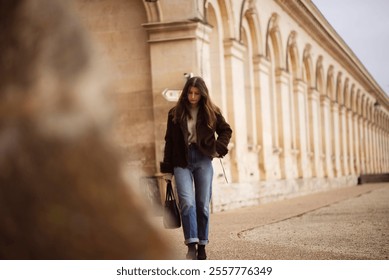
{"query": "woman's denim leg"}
(203, 187)
(195, 213)
(185, 191)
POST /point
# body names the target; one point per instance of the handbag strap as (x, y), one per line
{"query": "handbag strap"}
(169, 192)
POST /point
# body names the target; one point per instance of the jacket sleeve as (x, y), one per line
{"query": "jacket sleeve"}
(166, 165)
(224, 132)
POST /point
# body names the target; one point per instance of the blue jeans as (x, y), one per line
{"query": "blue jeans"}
(194, 199)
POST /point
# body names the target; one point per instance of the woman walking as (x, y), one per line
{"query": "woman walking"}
(190, 146)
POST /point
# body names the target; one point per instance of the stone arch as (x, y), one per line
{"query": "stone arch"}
(320, 78)
(153, 11)
(376, 112)
(292, 56)
(387, 122)
(254, 25)
(247, 8)
(273, 57)
(353, 99)
(273, 39)
(369, 109)
(307, 69)
(226, 13)
(331, 84)
(299, 109)
(248, 54)
(346, 94)
(380, 116)
(215, 19)
(373, 111)
(382, 120)
(365, 106)
(339, 89)
(360, 102)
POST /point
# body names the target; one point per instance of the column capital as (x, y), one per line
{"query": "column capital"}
(282, 76)
(342, 109)
(261, 63)
(299, 85)
(334, 106)
(234, 48)
(313, 94)
(324, 99)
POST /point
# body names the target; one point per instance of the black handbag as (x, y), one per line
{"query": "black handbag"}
(171, 214)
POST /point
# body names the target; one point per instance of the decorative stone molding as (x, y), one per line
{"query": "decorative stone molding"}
(177, 31)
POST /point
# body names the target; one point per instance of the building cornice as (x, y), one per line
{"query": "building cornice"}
(176, 31)
(307, 15)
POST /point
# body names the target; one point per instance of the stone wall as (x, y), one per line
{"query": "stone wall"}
(306, 115)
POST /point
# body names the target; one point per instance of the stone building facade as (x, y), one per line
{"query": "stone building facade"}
(306, 114)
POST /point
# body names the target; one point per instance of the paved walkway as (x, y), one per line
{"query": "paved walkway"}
(343, 223)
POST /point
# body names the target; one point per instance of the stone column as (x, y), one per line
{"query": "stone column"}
(385, 150)
(351, 141)
(268, 162)
(343, 138)
(236, 105)
(380, 150)
(368, 154)
(357, 146)
(303, 163)
(371, 144)
(314, 130)
(376, 148)
(326, 135)
(364, 145)
(335, 140)
(288, 169)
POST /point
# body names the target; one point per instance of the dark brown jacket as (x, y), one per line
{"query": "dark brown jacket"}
(176, 146)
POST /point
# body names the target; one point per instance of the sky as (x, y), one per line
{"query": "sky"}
(364, 26)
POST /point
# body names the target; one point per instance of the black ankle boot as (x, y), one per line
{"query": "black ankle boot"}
(191, 255)
(201, 255)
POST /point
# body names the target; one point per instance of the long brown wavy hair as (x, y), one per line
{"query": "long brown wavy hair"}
(207, 108)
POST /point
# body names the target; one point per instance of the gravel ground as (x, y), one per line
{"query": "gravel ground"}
(340, 224)
(357, 228)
